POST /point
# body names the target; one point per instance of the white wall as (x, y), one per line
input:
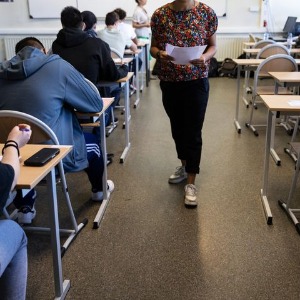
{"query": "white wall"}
(243, 16)
(14, 18)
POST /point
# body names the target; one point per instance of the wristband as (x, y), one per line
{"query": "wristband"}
(11, 143)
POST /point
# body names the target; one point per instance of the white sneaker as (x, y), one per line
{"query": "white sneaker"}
(190, 198)
(178, 176)
(26, 214)
(98, 196)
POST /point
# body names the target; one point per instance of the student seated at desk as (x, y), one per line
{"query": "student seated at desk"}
(90, 22)
(13, 241)
(90, 56)
(50, 89)
(114, 37)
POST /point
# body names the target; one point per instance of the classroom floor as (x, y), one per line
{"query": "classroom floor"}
(150, 246)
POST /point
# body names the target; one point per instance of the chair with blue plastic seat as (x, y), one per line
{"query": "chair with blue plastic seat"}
(41, 134)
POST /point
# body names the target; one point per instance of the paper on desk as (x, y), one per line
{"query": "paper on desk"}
(294, 103)
(183, 55)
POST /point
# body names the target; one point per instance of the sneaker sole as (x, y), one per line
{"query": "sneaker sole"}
(178, 180)
(26, 218)
(188, 202)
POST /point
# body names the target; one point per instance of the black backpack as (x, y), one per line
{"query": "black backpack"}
(213, 68)
(228, 68)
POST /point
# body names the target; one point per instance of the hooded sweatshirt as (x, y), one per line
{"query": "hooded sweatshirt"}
(49, 88)
(90, 56)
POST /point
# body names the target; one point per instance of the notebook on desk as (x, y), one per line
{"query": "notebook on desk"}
(289, 27)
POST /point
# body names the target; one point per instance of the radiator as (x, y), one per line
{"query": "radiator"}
(10, 43)
(229, 46)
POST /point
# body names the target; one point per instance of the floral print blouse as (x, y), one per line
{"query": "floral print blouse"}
(187, 28)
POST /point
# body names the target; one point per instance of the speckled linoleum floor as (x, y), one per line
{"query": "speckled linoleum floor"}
(149, 246)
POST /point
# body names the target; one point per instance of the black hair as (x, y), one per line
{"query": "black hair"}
(89, 19)
(29, 41)
(111, 18)
(121, 13)
(70, 17)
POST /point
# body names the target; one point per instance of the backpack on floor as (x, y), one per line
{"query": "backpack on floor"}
(213, 68)
(228, 68)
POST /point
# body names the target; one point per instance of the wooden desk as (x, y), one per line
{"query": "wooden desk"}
(124, 60)
(287, 79)
(276, 104)
(251, 51)
(100, 119)
(251, 44)
(135, 54)
(145, 45)
(245, 65)
(29, 178)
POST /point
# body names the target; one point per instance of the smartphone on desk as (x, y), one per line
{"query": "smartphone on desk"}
(41, 157)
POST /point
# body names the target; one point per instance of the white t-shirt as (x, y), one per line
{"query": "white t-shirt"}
(140, 16)
(115, 39)
(127, 30)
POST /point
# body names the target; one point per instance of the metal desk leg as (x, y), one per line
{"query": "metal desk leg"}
(61, 287)
(236, 120)
(127, 120)
(264, 190)
(286, 206)
(137, 81)
(106, 194)
(147, 54)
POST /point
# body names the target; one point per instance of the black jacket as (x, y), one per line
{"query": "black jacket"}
(90, 56)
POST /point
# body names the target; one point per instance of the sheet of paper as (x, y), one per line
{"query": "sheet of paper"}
(183, 55)
(294, 103)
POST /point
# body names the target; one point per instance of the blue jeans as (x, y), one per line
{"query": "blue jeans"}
(13, 261)
(185, 103)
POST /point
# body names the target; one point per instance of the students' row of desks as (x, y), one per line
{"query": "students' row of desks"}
(276, 104)
(31, 176)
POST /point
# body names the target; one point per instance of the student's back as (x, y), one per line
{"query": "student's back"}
(90, 56)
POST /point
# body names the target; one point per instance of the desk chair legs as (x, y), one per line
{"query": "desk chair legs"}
(289, 150)
(76, 228)
(286, 206)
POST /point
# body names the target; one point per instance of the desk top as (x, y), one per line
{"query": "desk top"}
(31, 176)
(254, 61)
(124, 60)
(286, 76)
(281, 102)
(128, 51)
(250, 44)
(125, 79)
(106, 104)
(256, 50)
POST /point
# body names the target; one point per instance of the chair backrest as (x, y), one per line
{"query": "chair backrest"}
(272, 49)
(41, 132)
(252, 38)
(115, 53)
(262, 44)
(274, 63)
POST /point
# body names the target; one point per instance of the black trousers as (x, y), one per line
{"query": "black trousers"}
(185, 103)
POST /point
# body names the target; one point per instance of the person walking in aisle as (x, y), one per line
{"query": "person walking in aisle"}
(185, 88)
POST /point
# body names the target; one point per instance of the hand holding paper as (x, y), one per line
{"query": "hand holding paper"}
(183, 55)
